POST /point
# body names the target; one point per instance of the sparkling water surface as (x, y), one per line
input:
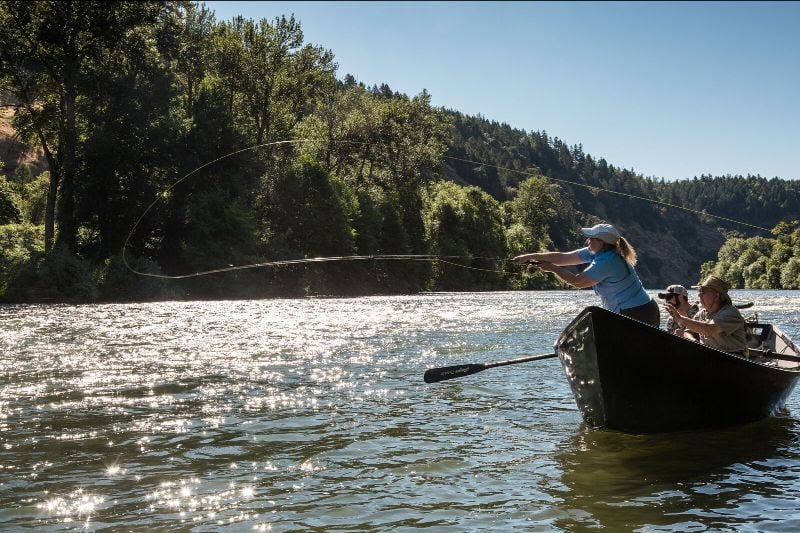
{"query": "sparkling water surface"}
(311, 414)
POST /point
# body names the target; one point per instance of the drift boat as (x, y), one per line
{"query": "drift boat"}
(629, 376)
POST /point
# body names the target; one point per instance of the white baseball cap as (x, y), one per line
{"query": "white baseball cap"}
(604, 232)
(673, 289)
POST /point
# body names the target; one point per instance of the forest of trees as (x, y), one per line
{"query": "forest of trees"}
(673, 236)
(760, 262)
(155, 108)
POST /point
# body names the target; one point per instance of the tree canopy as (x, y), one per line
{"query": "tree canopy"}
(140, 104)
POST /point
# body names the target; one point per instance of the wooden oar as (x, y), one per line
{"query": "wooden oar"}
(434, 375)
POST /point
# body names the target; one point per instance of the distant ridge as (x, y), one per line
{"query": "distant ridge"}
(672, 243)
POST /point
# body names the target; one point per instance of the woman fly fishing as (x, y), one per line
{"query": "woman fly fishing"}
(610, 272)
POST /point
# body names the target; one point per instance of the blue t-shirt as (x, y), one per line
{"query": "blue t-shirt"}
(618, 285)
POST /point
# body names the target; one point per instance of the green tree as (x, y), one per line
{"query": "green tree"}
(279, 77)
(49, 47)
(758, 262)
(136, 140)
(466, 223)
(385, 147)
(9, 210)
(221, 230)
(755, 274)
(532, 207)
(307, 213)
(790, 274)
(394, 143)
(19, 244)
(34, 200)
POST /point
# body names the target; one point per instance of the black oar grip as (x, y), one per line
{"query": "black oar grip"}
(435, 375)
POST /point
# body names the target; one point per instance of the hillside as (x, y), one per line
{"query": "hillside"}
(672, 243)
(12, 151)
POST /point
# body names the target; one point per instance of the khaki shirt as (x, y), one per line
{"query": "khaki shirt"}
(732, 338)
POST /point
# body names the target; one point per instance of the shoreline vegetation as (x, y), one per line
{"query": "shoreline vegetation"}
(118, 102)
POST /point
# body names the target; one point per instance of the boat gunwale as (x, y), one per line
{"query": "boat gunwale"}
(674, 338)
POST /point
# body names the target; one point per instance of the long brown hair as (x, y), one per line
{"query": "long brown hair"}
(624, 249)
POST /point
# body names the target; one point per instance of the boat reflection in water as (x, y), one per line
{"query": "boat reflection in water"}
(696, 480)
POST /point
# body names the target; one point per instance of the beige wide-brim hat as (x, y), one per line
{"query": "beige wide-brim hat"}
(714, 283)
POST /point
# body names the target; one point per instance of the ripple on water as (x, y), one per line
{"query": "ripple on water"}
(298, 414)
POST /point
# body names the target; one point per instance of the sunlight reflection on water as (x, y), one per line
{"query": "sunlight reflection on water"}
(296, 414)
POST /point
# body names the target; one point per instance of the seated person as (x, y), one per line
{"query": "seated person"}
(719, 324)
(678, 297)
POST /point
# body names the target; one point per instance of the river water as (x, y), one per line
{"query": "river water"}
(298, 414)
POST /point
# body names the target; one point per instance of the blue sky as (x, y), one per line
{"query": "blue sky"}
(670, 90)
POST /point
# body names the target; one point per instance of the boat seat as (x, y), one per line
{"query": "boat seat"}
(757, 334)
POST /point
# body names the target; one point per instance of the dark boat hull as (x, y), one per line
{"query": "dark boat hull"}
(628, 376)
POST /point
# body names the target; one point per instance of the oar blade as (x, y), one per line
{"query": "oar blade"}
(434, 375)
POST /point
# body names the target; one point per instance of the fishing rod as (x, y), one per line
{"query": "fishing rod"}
(445, 259)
